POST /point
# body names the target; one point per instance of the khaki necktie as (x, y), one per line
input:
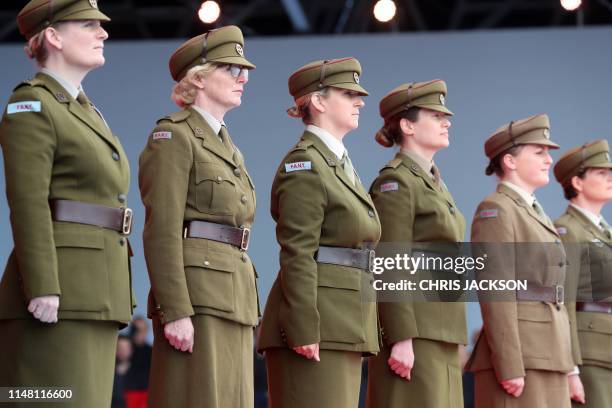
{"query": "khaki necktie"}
(606, 228)
(229, 145)
(347, 166)
(94, 113)
(436, 174)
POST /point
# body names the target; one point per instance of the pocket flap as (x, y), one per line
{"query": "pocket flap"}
(212, 172)
(334, 276)
(595, 322)
(534, 312)
(204, 258)
(79, 239)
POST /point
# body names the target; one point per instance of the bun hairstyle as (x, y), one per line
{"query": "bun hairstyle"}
(495, 165)
(391, 134)
(384, 138)
(301, 109)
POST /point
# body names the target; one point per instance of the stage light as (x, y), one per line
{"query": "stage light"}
(209, 11)
(384, 10)
(571, 5)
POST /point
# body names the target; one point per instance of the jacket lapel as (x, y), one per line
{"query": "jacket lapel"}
(589, 226)
(333, 162)
(76, 109)
(419, 172)
(210, 141)
(546, 223)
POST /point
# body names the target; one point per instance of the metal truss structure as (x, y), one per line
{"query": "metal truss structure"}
(156, 19)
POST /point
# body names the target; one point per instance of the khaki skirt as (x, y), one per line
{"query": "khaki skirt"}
(218, 374)
(296, 382)
(435, 378)
(543, 389)
(597, 382)
(76, 355)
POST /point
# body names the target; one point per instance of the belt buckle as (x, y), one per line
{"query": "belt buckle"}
(371, 257)
(559, 294)
(244, 240)
(126, 222)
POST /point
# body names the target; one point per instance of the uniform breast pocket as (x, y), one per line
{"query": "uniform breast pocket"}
(215, 189)
(340, 305)
(82, 270)
(210, 278)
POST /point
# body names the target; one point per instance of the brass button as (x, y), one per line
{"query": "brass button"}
(244, 258)
(206, 263)
(452, 210)
(591, 325)
(122, 198)
(243, 199)
(122, 241)
(561, 264)
(115, 156)
(371, 213)
(237, 172)
(219, 178)
(414, 167)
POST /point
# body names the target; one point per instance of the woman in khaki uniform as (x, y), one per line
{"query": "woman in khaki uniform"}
(320, 317)
(523, 355)
(419, 359)
(66, 287)
(200, 205)
(584, 173)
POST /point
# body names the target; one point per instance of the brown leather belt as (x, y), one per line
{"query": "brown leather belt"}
(535, 293)
(597, 307)
(355, 258)
(238, 237)
(116, 219)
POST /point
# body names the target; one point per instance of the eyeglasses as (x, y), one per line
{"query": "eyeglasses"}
(236, 71)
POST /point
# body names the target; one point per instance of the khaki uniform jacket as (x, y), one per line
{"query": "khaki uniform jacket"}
(186, 173)
(60, 152)
(520, 335)
(591, 279)
(413, 210)
(312, 302)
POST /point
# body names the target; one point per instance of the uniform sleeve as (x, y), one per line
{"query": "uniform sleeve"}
(492, 233)
(573, 251)
(396, 209)
(28, 142)
(163, 177)
(299, 201)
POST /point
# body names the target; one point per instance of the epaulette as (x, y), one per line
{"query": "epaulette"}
(29, 82)
(301, 145)
(179, 116)
(393, 164)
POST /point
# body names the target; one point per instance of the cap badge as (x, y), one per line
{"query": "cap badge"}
(442, 99)
(607, 157)
(356, 77)
(94, 3)
(239, 50)
(546, 134)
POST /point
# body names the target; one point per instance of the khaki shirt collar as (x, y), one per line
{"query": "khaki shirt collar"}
(68, 86)
(335, 145)
(594, 218)
(528, 198)
(214, 124)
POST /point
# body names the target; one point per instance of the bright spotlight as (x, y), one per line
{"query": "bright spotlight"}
(209, 11)
(384, 10)
(571, 5)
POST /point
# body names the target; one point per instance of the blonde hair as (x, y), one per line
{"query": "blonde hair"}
(301, 109)
(184, 91)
